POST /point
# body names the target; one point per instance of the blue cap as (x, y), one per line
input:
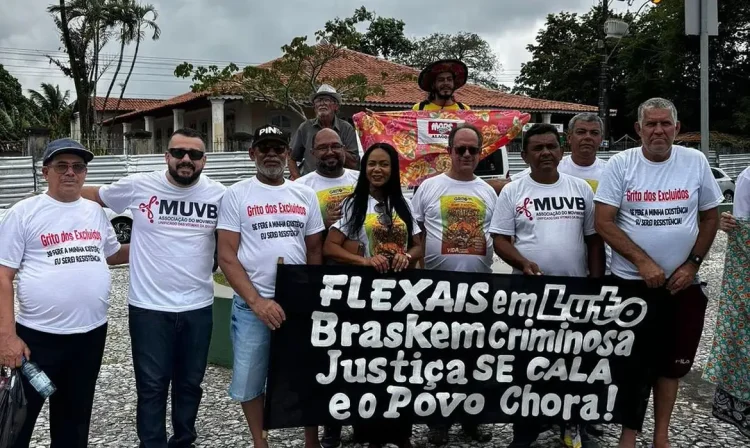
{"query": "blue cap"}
(66, 146)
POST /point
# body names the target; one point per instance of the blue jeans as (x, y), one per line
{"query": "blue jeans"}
(251, 341)
(169, 347)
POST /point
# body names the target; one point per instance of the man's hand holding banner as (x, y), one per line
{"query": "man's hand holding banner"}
(421, 137)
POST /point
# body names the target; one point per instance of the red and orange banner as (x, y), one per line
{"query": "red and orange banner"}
(421, 137)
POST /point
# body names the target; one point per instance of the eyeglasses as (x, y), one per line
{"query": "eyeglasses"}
(323, 101)
(62, 168)
(461, 150)
(384, 215)
(279, 150)
(333, 147)
(179, 153)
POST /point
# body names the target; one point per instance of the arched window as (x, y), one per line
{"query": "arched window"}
(282, 122)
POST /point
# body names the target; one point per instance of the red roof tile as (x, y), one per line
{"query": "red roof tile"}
(402, 93)
(126, 105)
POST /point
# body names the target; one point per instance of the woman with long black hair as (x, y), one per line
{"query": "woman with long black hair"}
(378, 219)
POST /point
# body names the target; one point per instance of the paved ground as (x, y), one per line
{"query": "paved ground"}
(221, 424)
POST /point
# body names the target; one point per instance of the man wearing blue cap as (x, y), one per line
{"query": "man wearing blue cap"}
(50, 242)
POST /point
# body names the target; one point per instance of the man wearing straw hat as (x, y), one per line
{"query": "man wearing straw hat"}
(441, 79)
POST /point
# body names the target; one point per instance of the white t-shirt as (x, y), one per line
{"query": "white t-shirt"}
(172, 244)
(376, 236)
(273, 222)
(456, 215)
(60, 250)
(330, 191)
(549, 223)
(741, 207)
(592, 174)
(658, 204)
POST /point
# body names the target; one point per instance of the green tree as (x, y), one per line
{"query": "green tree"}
(383, 37)
(85, 27)
(470, 48)
(289, 81)
(53, 107)
(140, 18)
(16, 111)
(655, 59)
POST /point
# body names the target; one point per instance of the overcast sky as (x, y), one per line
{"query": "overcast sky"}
(252, 31)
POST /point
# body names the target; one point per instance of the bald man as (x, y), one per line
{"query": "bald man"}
(332, 183)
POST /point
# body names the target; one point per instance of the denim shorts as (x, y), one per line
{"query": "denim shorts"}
(251, 340)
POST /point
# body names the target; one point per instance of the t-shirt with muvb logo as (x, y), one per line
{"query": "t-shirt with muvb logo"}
(172, 243)
(60, 250)
(658, 204)
(549, 222)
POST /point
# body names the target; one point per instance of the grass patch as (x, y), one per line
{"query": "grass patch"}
(220, 279)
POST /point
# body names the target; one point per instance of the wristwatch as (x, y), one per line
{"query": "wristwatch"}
(695, 259)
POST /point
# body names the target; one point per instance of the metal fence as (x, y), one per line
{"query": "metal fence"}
(19, 176)
(733, 164)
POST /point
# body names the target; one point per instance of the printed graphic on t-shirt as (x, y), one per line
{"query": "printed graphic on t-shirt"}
(386, 240)
(552, 208)
(331, 198)
(180, 213)
(462, 218)
(80, 246)
(593, 183)
(663, 214)
(275, 227)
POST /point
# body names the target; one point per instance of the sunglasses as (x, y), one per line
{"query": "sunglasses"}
(179, 153)
(279, 150)
(62, 168)
(384, 216)
(461, 150)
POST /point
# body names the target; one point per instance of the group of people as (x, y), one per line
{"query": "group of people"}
(556, 219)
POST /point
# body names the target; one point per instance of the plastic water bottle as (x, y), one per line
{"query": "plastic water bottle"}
(37, 378)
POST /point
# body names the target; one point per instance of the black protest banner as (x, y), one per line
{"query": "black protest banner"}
(435, 346)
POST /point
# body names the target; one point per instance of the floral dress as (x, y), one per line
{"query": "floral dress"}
(728, 365)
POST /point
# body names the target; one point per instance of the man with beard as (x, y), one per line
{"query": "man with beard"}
(441, 79)
(326, 102)
(250, 243)
(331, 181)
(454, 210)
(559, 242)
(170, 302)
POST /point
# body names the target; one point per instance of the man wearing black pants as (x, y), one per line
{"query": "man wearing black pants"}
(171, 287)
(48, 241)
(657, 207)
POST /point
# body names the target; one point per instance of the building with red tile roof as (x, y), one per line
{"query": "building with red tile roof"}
(200, 110)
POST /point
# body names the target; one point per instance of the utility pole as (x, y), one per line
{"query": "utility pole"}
(705, 140)
(603, 107)
(702, 18)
